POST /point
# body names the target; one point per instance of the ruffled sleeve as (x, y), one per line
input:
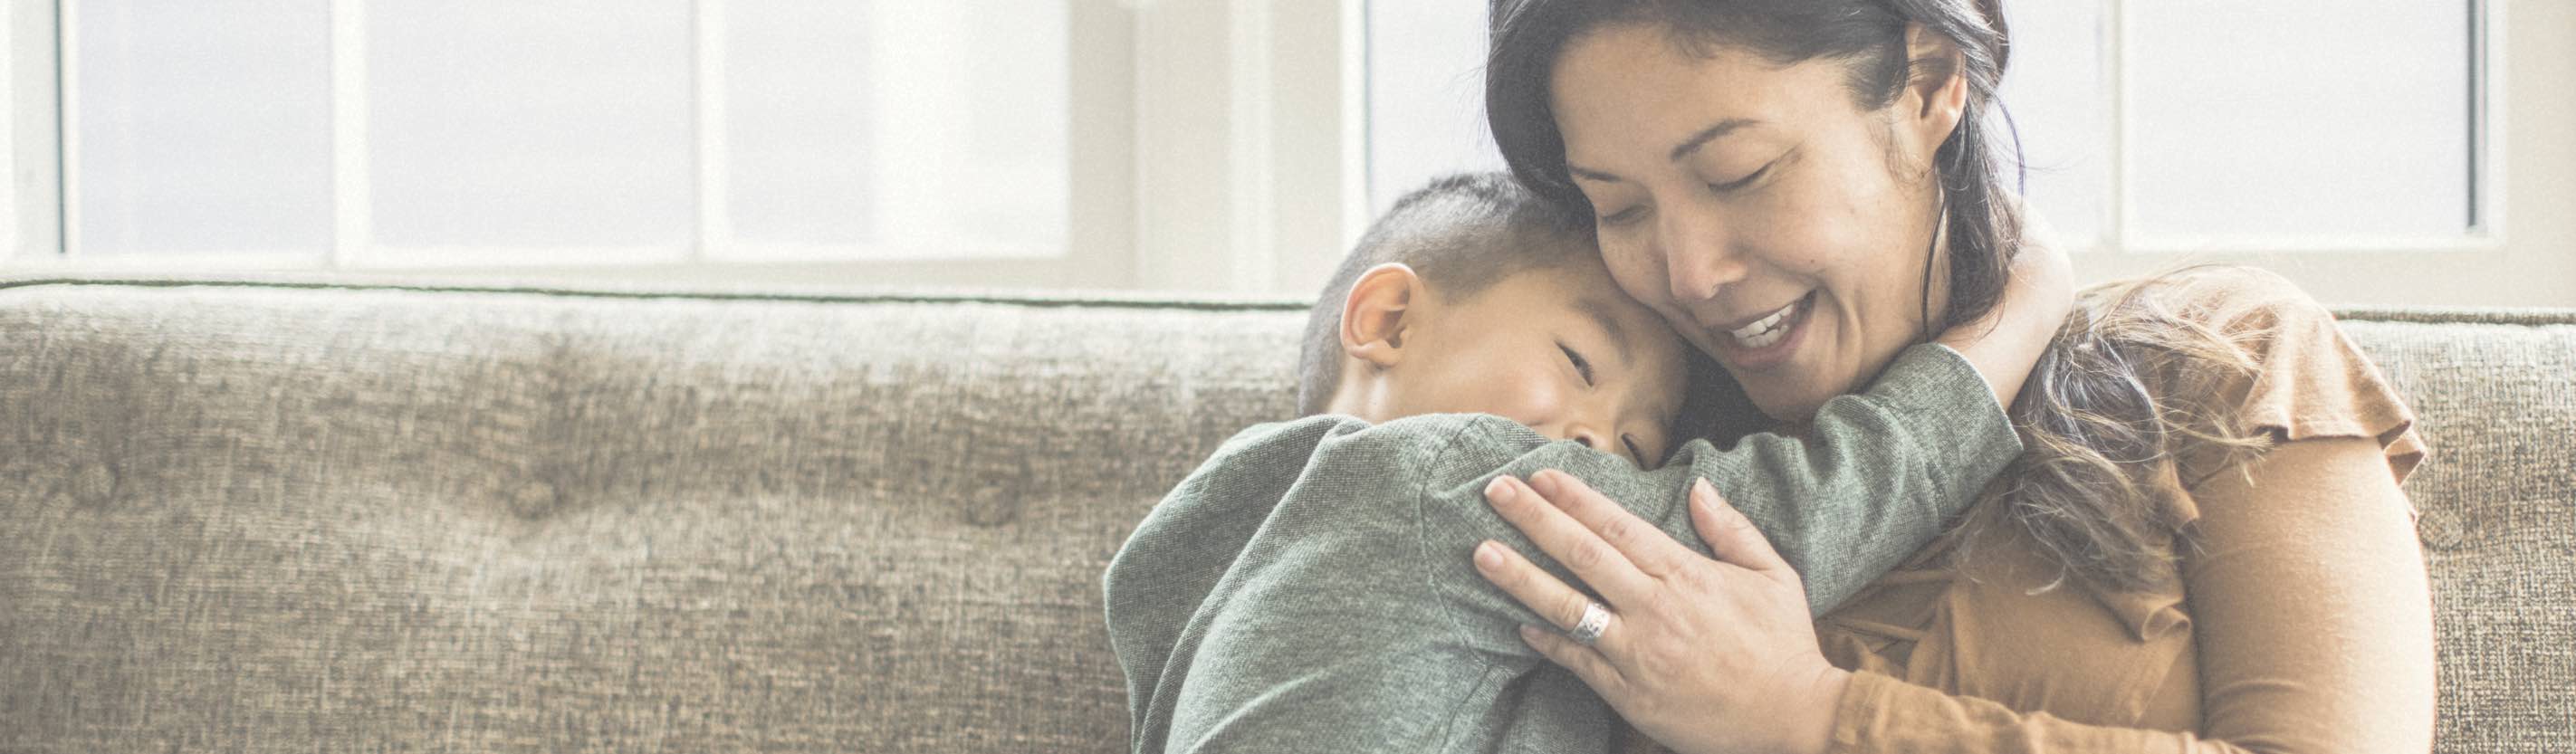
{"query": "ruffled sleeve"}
(2311, 549)
(2305, 378)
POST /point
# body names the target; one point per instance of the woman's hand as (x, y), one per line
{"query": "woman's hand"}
(1701, 655)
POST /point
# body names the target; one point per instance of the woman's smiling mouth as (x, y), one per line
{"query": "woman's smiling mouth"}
(1768, 340)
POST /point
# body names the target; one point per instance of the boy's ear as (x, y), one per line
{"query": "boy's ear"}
(1376, 316)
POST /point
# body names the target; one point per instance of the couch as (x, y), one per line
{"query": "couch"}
(331, 514)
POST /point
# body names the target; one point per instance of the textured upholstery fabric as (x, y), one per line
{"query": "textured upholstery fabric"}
(264, 518)
(2495, 395)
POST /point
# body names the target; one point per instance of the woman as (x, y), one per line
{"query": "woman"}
(2204, 547)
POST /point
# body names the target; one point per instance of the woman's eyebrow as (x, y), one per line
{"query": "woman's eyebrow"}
(1591, 174)
(1680, 151)
(1709, 134)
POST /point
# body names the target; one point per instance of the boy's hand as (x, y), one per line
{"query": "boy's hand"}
(2006, 343)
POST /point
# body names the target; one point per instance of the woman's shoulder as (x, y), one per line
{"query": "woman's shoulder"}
(2192, 329)
(2252, 352)
(2230, 299)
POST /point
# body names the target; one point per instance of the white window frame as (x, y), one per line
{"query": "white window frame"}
(2512, 255)
(1098, 251)
(1219, 146)
(28, 151)
(2124, 236)
(2527, 174)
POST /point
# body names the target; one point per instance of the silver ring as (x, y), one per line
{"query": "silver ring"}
(1595, 618)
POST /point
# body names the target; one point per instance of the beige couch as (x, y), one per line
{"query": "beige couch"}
(340, 518)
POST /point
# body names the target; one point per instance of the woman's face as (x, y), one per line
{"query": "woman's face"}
(1775, 224)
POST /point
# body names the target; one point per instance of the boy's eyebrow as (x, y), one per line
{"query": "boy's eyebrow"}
(1601, 315)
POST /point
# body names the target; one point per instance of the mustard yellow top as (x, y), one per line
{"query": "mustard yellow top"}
(2239, 651)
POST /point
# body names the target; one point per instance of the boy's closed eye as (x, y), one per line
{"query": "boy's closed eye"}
(1583, 366)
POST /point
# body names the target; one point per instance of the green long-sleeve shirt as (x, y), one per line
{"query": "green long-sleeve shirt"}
(1309, 588)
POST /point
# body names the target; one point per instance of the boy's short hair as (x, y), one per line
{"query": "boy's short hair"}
(1462, 234)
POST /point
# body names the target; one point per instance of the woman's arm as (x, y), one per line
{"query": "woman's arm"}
(2308, 596)
(2311, 609)
(1352, 617)
(1346, 613)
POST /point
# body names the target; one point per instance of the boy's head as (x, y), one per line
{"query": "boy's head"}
(1473, 295)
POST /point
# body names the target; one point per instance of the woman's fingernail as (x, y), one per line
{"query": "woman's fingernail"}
(1489, 556)
(1499, 490)
(1705, 495)
(1529, 633)
(1544, 482)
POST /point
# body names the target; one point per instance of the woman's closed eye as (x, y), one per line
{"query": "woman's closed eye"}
(1634, 451)
(1623, 217)
(1741, 183)
(1636, 212)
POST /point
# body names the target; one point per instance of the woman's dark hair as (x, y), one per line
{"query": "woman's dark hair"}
(1869, 35)
(2095, 482)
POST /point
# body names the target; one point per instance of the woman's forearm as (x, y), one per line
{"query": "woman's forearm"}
(2311, 613)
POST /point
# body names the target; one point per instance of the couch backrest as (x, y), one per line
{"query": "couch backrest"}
(324, 518)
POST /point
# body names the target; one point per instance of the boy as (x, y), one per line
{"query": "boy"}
(1309, 588)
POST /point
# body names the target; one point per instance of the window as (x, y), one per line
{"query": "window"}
(2270, 124)
(2285, 123)
(397, 134)
(2371, 150)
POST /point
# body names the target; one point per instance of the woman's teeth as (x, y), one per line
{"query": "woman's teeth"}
(1766, 331)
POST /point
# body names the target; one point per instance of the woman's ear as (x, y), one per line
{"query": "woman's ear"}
(1936, 87)
(1380, 312)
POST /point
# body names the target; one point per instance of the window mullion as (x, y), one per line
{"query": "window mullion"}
(2484, 66)
(29, 210)
(2115, 72)
(351, 195)
(67, 124)
(715, 230)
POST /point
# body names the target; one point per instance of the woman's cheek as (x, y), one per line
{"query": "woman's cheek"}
(1639, 277)
(1799, 233)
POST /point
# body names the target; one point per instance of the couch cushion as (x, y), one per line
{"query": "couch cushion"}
(2494, 398)
(305, 520)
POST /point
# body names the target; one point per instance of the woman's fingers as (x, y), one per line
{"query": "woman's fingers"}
(1652, 551)
(1541, 591)
(1730, 535)
(1586, 662)
(1594, 561)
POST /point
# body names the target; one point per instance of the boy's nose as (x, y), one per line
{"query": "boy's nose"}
(1587, 436)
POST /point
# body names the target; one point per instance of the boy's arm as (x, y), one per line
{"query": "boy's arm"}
(1315, 627)
(1875, 479)
(1894, 463)
(2005, 343)
(1356, 615)
(1871, 482)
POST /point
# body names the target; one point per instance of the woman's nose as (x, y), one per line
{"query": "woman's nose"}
(1697, 260)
